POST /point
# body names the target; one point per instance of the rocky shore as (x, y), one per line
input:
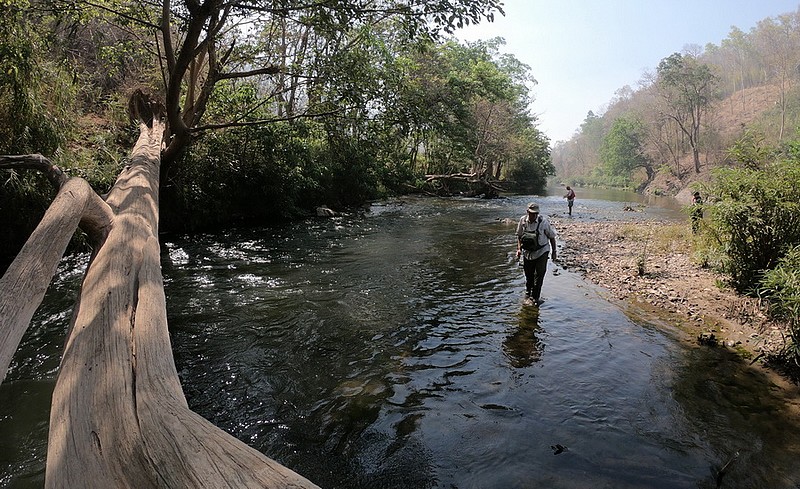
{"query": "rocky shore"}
(659, 276)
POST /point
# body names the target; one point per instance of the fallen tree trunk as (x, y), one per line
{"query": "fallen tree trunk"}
(466, 184)
(30, 273)
(119, 417)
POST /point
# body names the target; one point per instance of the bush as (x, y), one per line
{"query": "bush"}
(755, 219)
(243, 176)
(781, 287)
(528, 177)
(266, 174)
(349, 175)
(24, 198)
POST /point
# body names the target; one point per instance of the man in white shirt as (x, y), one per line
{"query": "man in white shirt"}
(536, 239)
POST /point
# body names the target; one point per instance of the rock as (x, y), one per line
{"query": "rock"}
(708, 339)
(324, 211)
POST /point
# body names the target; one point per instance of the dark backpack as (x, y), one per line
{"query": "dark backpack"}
(530, 239)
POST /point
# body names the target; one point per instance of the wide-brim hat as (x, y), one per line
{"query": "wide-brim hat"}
(533, 207)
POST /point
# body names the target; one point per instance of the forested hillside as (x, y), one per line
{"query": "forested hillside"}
(270, 111)
(723, 120)
(681, 120)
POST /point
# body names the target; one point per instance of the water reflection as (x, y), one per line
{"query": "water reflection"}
(523, 346)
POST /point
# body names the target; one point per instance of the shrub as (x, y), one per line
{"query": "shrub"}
(755, 219)
(781, 286)
(251, 175)
(266, 174)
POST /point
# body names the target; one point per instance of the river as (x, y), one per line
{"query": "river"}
(391, 349)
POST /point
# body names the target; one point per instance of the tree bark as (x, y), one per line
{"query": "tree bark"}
(119, 417)
(29, 275)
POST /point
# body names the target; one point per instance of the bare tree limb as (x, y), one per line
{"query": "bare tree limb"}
(269, 70)
(35, 162)
(225, 125)
(30, 273)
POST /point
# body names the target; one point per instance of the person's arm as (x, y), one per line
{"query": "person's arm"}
(550, 232)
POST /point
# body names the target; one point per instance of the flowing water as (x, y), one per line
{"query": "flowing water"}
(391, 349)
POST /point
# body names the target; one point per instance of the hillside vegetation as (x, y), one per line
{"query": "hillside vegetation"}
(722, 120)
(745, 112)
(681, 120)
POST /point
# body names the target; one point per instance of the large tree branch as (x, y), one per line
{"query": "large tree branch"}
(119, 417)
(24, 284)
(35, 162)
(269, 70)
(166, 37)
(123, 15)
(261, 122)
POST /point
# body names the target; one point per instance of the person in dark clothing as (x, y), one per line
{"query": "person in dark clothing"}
(696, 211)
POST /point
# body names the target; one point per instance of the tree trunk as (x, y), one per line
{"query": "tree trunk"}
(696, 158)
(29, 275)
(119, 417)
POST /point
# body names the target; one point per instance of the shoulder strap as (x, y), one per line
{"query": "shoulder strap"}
(538, 223)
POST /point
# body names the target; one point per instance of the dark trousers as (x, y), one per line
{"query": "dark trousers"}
(697, 216)
(535, 271)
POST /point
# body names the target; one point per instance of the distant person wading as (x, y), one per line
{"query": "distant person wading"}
(570, 196)
(536, 238)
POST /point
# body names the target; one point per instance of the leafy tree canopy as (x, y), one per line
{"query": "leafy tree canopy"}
(622, 149)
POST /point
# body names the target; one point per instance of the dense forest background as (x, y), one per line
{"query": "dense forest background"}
(698, 110)
(283, 106)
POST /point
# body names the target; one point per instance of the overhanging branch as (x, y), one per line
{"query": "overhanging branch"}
(260, 122)
(35, 162)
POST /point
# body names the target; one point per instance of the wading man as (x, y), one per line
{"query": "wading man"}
(570, 196)
(536, 239)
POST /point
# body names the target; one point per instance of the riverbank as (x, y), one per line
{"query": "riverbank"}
(649, 264)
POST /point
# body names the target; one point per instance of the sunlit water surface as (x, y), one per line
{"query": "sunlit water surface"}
(391, 349)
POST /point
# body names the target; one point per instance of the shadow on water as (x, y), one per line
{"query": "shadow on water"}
(738, 410)
(392, 350)
(745, 417)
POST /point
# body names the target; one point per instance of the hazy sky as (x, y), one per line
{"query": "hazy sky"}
(582, 51)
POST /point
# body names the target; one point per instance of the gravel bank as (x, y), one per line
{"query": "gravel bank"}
(619, 256)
